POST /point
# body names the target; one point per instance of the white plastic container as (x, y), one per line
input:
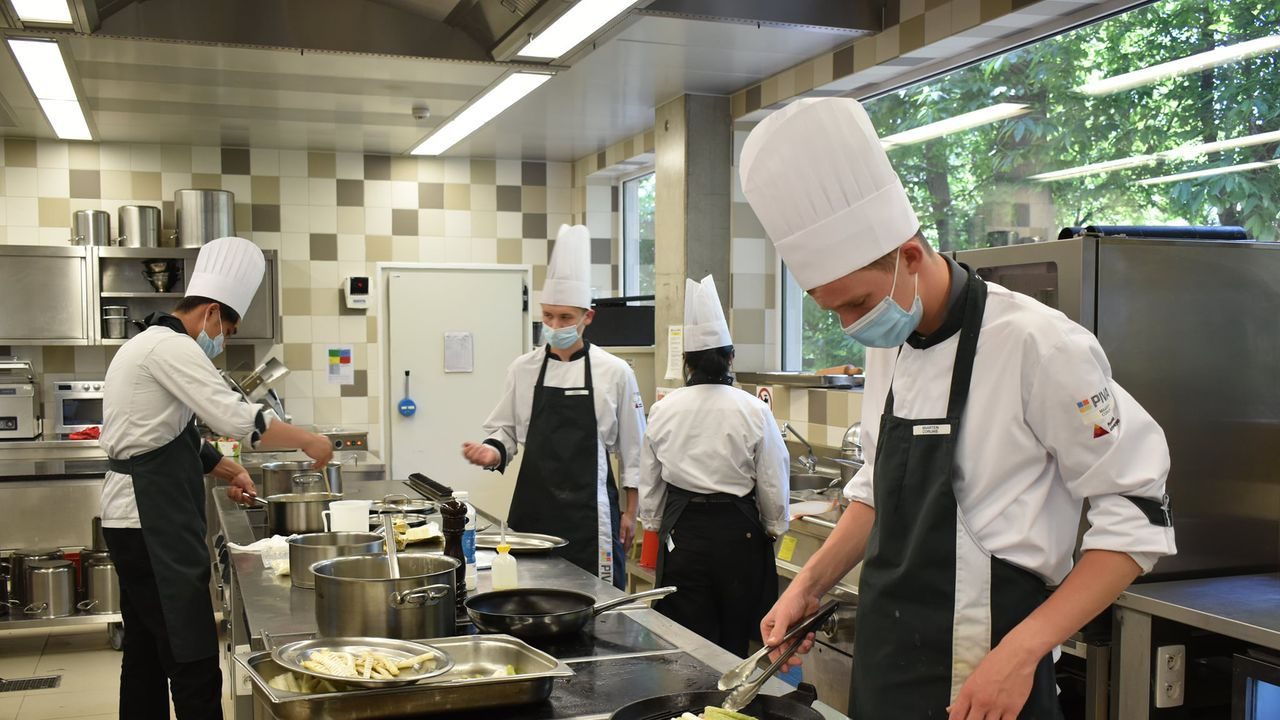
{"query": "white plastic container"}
(469, 538)
(348, 516)
(504, 569)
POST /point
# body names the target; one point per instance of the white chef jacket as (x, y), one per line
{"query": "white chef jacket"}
(619, 407)
(1045, 428)
(714, 439)
(155, 384)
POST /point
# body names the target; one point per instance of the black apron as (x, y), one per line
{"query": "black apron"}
(920, 558)
(168, 486)
(558, 487)
(722, 563)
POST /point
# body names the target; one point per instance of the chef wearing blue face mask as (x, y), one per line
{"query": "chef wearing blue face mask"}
(153, 500)
(569, 405)
(988, 419)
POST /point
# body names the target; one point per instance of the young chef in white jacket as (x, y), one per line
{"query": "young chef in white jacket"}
(714, 484)
(153, 501)
(988, 419)
(570, 404)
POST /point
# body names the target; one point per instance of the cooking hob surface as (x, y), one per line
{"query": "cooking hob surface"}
(610, 634)
(602, 686)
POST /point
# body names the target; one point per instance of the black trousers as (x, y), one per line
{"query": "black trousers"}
(148, 671)
(724, 568)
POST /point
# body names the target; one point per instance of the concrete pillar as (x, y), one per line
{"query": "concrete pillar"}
(693, 146)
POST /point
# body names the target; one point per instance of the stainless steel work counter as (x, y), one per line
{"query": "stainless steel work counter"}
(1244, 607)
(271, 604)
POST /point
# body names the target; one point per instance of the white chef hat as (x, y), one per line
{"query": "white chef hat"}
(228, 270)
(569, 270)
(816, 175)
(704, 324)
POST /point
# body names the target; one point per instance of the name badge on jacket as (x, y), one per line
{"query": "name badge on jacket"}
(931, 430)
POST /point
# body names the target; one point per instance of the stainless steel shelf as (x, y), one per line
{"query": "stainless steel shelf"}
(142, 294)
(796, 379)
(12, 623)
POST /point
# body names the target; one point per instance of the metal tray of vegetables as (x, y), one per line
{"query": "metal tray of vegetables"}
(363, 661)
(488, 671)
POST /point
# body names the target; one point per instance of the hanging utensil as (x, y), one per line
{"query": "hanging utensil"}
(407, 406)
(744, 693)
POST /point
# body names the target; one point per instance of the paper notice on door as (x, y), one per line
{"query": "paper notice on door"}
(342, 371)
(675, 352)
(459, 356)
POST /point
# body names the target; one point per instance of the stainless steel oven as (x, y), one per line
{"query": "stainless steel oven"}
(1189, 327)
(77, 405)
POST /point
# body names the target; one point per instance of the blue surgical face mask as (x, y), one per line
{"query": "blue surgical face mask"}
(888, 325)
(561, 338)
(212, 346)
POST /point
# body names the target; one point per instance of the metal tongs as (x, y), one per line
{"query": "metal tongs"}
(744, 690)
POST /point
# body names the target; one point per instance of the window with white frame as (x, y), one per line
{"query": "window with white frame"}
(637, 218)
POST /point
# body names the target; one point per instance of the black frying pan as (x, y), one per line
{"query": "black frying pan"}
(793, 706)
(542, 614)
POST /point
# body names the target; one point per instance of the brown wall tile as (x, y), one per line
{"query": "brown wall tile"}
(842, 62)
(911, 34)
(535, 225)
(404, 222)
(484, 172)
(509, 198)
(85, 184)
(56, 212)
(266, 218)
(201, 181)
(377, 248)
(19, 152)
(817, 411)
(533, 173)
(235, 161)
(377, 167)
(175, 159)
(324, 246)
(322, 165)
(58, 359)
(297, 356)
(510, 251)
(457, 197)
(350, 193)
(992, 9)
(296, 301)
(146, 186)
(266, 189)
(431, 196)
(533, 199)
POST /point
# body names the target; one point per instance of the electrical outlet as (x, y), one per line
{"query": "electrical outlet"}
(1171, 675)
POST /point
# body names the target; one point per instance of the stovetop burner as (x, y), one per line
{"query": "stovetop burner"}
(608, 635)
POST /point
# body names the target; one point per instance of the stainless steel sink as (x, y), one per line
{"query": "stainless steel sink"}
(810, 481)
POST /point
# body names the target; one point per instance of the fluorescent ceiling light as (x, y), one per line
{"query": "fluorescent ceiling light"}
(53, 12)
(1178, 153)
(474, 116)
(1208, 172)
(1181, 66)
(41, 61)
(67, 119)
(955, 124)
(571, 28)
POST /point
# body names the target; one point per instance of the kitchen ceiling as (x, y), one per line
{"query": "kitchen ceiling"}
(188, 91)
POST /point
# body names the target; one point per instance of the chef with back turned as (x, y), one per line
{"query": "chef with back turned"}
(988, 420)
(570, 404)
(153, 501)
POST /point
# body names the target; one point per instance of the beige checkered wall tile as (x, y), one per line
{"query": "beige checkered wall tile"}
(328, 214)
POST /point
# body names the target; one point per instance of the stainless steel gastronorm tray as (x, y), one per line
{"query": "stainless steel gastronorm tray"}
(536, 671)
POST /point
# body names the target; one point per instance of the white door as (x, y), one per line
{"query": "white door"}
(425, 305)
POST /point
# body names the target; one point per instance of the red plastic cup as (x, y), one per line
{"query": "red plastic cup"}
(649, 550)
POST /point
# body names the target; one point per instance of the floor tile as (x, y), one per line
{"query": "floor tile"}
(9, 706)
(18, 666)
(97, 670)
(78, 642)
(54, 706)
